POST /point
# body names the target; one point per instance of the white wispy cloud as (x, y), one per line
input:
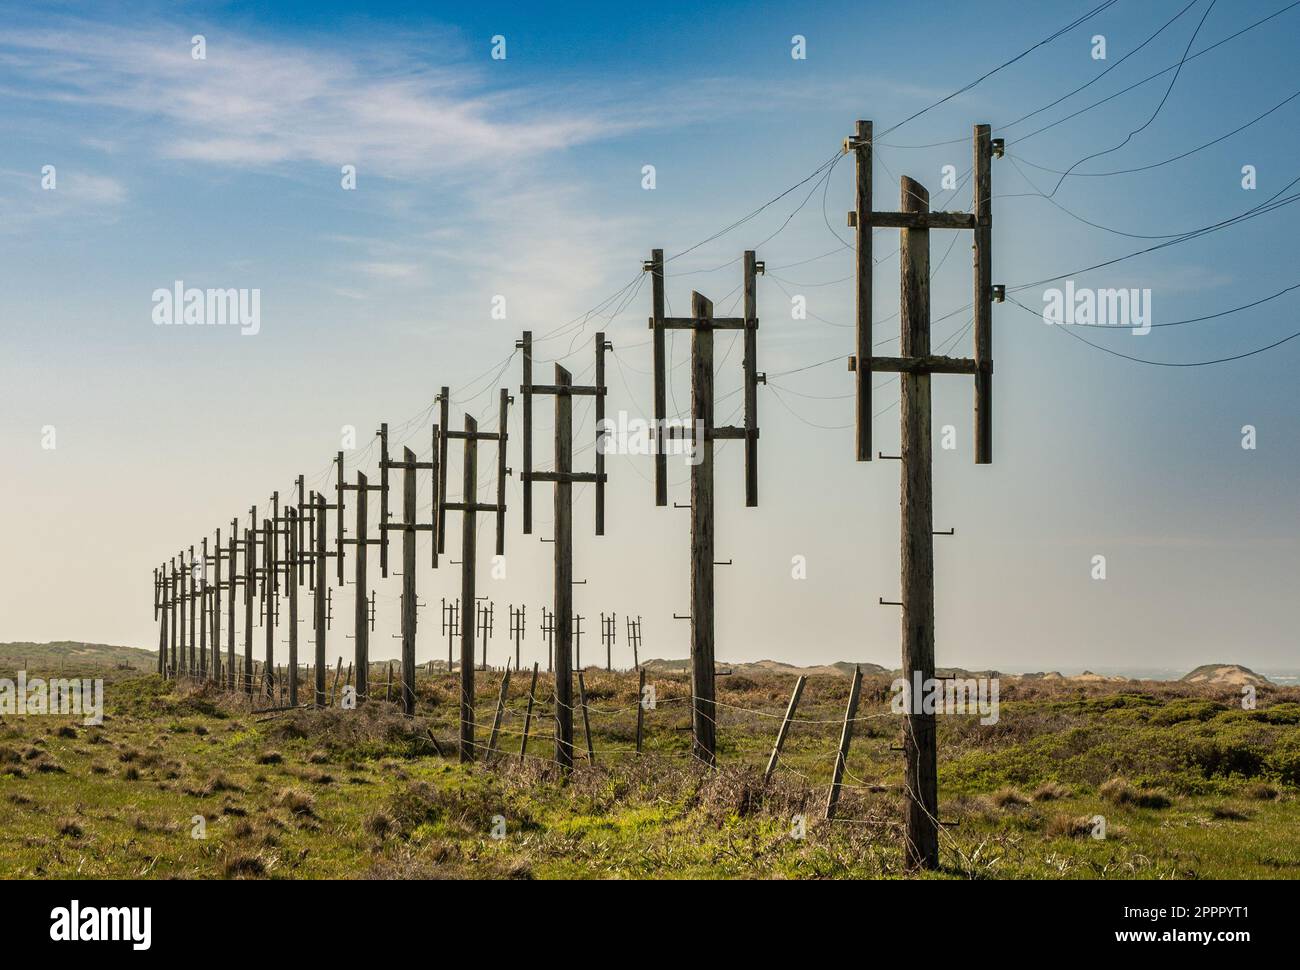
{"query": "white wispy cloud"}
(254, 102)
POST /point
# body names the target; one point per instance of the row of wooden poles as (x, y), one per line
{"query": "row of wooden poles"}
(277, 693)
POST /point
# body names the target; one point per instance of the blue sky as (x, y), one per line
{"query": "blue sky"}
(523, 178)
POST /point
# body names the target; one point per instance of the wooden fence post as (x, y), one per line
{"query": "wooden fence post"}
(501, 709)
(785, 727)
(833, 796)
(528, 717)
(586, 721)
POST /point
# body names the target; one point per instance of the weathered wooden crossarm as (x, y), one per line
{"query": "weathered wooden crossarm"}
(732, 431)
(417, 465)
(576, 390)
(567, 477)
(471, 506)
(930, 364)
(403, 527)
(704, 323)
(918, 220)
(475, 435)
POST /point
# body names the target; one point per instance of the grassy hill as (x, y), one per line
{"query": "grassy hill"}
(1190, 785)
(71, 656)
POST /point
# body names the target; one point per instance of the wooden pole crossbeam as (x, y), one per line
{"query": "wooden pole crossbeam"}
(713, 323)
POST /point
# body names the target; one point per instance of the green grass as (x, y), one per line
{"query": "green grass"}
(1190, 786)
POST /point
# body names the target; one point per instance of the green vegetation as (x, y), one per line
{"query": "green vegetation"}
(1189, 784)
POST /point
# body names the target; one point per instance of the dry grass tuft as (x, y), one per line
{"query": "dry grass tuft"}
(71, 828)
(1119, 792)
(241, 865)
(1005, 798)
(1050, 791)
(298, 802)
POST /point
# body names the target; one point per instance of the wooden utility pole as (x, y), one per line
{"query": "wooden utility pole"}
(160, 614)
(915, 365)
(363, 542)
(269, 604)
(450, 627)
(702, 324)
(182, 597)
(558, 627)
(640, 707)
(409, 527)
(217, 585)
(486, 624)
(321, 602)
(192, 666)
(292, 539)
(702, 628)
(470, 507)
(174, 603)
(548, 632)
(861, 144)
(634, 638)
(251, 573)
(517, 630)
(203, 611)
(918, 535)
(232, 582)
(608, 628)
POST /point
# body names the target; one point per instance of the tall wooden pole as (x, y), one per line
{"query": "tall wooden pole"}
(320, 601)
(751, 378)
(203, 611)
(232, 568)
(174, 600)
(922, 827)
(562, 618)
(656, 267)
(269, 567)
(702, 532)
(250, 578)
(291, 576)
(216, 611)
(408, 588)
(862, 287)
(601, 345)
(983, 251)
(469, 550)
(361, 607)
(160, 598)
(194, 598)
(444, 404)
(526, 345)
